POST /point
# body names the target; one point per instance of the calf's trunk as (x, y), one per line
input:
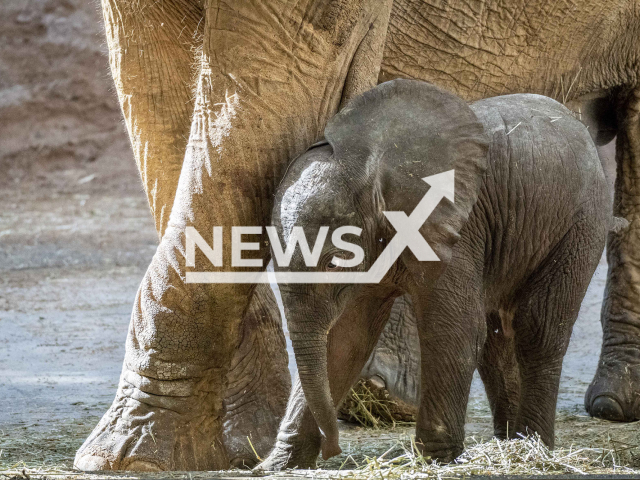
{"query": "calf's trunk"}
(310, 350)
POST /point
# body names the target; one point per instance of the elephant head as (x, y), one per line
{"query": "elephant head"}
(377, 150)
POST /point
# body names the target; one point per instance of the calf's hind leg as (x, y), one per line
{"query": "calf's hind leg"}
(543, 323)
(500, 375)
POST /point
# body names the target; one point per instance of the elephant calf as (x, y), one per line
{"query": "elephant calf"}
(517, 246)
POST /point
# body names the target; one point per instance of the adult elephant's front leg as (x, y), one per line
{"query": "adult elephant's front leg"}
(271, 75)
(614, 393)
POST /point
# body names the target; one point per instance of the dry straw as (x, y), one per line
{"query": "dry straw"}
(372, 407)
(522, 456)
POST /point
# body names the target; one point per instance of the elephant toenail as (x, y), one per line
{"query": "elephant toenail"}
(607, 408)
(378, 382)
(91, 463)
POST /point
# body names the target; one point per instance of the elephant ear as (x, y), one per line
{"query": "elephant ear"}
(404, 131)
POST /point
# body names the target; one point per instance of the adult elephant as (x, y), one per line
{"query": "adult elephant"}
(268, 75)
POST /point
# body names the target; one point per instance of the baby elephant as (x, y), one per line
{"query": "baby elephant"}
(496, 267)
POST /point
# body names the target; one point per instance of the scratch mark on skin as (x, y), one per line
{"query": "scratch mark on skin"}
(510, 131)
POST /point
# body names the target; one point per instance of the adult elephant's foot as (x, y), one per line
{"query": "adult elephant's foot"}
(145, 431)
(614, 393)
(167, 414)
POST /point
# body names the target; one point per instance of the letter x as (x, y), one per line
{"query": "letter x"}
(408, 235)
(408, 227)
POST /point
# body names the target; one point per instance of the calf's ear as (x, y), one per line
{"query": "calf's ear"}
(405, 131)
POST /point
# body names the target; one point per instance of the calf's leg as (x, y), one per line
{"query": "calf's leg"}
(543, 321)
(451, 326)
(500, 375)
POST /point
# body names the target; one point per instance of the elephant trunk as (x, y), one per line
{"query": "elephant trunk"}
(310, 350)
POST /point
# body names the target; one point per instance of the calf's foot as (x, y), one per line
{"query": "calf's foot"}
(298, 442)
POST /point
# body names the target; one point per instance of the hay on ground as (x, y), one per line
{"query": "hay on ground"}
(371, 406)
(522, 456)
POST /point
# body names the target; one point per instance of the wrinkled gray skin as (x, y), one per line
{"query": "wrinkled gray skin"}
(519, 245)
(394, 363)
(218, 97)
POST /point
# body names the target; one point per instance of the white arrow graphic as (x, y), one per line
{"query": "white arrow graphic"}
(407, 235)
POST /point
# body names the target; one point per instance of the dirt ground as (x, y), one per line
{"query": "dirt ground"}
(76, 237)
